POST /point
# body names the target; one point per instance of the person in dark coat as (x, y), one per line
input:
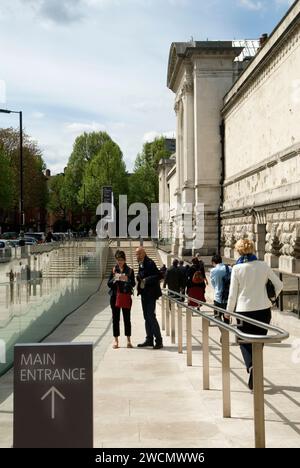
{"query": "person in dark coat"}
(173, 278)
(149, 289)
(122, 279)
(183, 270)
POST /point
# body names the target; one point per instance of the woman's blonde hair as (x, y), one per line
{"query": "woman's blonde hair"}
(245, 246)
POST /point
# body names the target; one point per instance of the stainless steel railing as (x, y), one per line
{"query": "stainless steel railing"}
(170, 299)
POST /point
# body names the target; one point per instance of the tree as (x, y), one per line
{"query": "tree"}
(6, 182)
(106, 168)
(56, 202)
(34, 181)
(85, 148)
(152, 153)
(143, 183)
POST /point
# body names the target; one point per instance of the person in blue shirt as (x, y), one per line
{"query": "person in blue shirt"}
(217, 276)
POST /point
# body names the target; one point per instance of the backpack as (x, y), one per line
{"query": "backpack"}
(197, 277)
(226, 285)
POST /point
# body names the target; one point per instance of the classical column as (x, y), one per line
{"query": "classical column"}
(188, 165)
(212, 79)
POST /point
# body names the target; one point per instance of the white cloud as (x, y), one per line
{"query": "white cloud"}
(78, 127)
(251, 4)
(150, 136)
(37, 115)
(285, 2)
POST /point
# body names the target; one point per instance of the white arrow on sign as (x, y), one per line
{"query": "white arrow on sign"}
(52, 392)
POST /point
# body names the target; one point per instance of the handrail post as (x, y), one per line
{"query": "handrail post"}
(167, 316)
(7, 296)
(258, 395)
(205, 353)
(18, 293)
(281, 294)
(179, 327)
(172, 322)
(298, 295)
(189, 358)
(163, 312)
(226, 374)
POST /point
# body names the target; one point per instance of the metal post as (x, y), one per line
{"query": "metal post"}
(163, 313)
(22, 217)
(281, 295)
(226, 374)
(7, 297)
(189, 358)
(258, 394)
(18, 293)
(205, 353)
(27, 291)
(167, 317)
(298, 297)
(179, 326)
(172, 322)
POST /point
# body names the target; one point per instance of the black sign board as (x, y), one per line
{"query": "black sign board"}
(107, 195)
(53, 395)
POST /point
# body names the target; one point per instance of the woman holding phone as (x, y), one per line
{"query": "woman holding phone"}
(121, 283)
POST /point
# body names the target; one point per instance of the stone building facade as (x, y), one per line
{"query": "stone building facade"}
(238, 145)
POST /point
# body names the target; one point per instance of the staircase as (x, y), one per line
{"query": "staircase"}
(75, 262)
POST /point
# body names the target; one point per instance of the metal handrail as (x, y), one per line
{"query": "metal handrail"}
(170, 298)
(281, 334)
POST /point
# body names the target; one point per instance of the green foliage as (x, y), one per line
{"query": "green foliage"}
(143, 183)
(56, 202)
(34, 181)
(6, 182)
(106, 168)
(85, 148)
(152, 153)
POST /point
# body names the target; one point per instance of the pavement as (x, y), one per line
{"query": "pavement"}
(149, 398)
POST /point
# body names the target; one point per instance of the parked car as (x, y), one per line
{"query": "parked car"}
(9, 235)
(30, 240)
(5, 248)
(39, 236)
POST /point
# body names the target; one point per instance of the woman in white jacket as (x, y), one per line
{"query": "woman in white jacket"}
(248, 295)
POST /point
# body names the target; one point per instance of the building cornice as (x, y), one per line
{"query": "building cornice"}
(180, 51)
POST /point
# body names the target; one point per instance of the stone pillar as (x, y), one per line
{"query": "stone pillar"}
(187, 167)
(213, 77)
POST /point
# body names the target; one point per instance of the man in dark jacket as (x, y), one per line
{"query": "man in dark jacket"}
(173, 278)
(149, 288)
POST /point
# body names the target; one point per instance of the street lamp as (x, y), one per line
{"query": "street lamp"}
(22, 214)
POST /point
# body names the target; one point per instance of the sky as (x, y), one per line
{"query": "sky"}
(87, 65)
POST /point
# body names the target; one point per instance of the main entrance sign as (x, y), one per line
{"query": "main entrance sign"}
(53, 395)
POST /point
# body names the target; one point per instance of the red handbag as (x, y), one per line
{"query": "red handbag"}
(123, 300)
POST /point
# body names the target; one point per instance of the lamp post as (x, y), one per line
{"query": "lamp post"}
(22, 214)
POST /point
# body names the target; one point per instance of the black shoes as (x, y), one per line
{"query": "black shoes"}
(145, 344)
(250, 381)
(158, 346)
